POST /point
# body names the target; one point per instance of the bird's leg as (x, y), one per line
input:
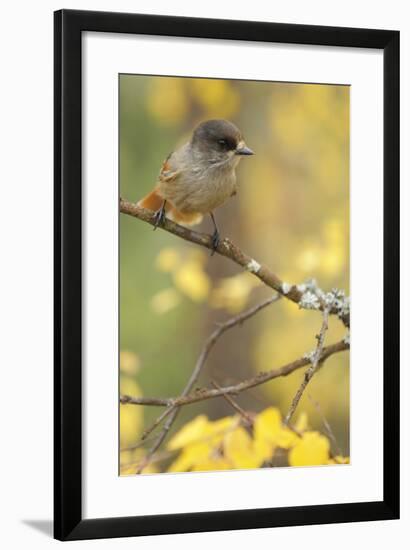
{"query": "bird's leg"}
(215, 236)
(160, 215)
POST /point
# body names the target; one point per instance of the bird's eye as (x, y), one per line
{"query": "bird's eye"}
(222, 142)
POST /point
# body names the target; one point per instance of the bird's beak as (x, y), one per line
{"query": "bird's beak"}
(242, 149)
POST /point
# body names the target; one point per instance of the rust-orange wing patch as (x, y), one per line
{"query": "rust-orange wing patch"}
(168, 173)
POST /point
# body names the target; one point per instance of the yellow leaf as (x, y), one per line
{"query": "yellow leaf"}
(211, 464)
(149, 469)
(165, 300)
(312, 449)
(215, 431)
(302, 422)
(223, 424)
(191, 432)
(198, 441)
(192, 281)
(128, 469)
(190, 456)
(268, 424)
(269, 432)
(131, 469)
(339, 460)
(263, 449)
(287, 439)
(126, 457)
(238, 449)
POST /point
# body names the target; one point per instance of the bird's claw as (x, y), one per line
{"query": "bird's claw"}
(159, 217)
(216, 239)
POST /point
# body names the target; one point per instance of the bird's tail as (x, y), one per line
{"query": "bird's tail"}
(153, 201)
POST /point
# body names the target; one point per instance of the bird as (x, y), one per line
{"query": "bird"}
(199, 176)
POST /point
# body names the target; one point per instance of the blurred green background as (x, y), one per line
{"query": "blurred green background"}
(291, 212)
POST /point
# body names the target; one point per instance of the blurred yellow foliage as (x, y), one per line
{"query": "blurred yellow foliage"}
(215, 95)
(232, 293)
(192, 280)
(166, 100)
(227, 444)
(312, 113)
(129, 363)
(328, 256)
(188, 274)
(168, 259)
(165, 300)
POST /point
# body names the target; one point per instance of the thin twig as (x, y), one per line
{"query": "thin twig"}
(325, 423)
(245, 416)
(149, 401)
(137, 445)
(313, 367)
(261, 378)
(159, 457)
(159, 440)
(157, 422)
(229, 250)
(172, 410)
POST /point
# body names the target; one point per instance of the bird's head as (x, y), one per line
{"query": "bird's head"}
(219, 142)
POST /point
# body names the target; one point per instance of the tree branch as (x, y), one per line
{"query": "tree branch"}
(235, 389)
(229, 250)
(313, 367)
(326, 425)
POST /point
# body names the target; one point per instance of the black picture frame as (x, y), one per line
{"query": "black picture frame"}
(68, 521)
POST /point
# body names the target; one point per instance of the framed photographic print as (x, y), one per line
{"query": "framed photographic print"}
(222, 190)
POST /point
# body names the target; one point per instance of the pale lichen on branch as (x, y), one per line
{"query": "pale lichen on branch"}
(307, 295)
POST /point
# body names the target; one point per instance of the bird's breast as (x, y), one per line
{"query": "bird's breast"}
(208, 189)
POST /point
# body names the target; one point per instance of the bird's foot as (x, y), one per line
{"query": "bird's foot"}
(159, 217)
(216, 239)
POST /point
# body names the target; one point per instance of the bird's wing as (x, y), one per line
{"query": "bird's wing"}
(168, 172)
